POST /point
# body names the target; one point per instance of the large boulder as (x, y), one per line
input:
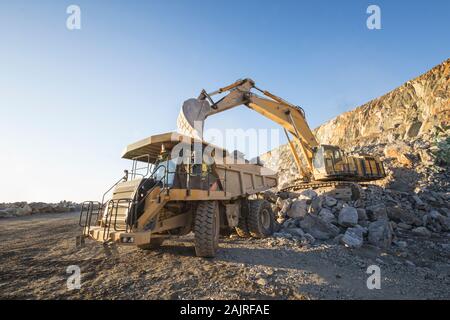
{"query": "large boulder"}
(348, 217)
(317, 204)
(318, 228)
(436, 222)
(353, 238)
(298, 209)
(308, 194)
(380, 233)
(377, 212)
(397, 214)
(330, 201)
(327, 216)
(285, 206)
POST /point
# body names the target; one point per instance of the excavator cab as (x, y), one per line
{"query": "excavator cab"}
(330, 162)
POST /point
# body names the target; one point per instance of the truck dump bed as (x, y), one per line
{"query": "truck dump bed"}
(238, 179)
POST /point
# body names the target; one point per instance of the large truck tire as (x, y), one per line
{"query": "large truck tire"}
(155, 243)
(260, 220)
(207, 229)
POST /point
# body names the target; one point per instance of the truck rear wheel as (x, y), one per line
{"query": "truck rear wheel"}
(207, 229)
(155, 243)
(261, 221)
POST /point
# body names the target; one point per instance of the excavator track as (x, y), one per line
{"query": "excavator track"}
(356, 188)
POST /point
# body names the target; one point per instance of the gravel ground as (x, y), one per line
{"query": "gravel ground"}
(35, 252)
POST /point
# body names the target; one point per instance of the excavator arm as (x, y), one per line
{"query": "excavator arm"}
(290, 117)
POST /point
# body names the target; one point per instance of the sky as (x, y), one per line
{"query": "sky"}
(71, 100)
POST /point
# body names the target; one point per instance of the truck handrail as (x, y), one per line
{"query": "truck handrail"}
(115, 184)
(135, 169)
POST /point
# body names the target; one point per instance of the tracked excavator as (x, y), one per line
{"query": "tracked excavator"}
(319, 165)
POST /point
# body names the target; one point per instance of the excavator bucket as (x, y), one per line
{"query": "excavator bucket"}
(192, 116)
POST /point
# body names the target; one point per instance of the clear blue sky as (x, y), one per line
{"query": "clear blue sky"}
(71, 100)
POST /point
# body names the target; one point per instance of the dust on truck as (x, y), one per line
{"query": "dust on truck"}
(163, 196)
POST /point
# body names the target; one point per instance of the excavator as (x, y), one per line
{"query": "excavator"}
(319, 165)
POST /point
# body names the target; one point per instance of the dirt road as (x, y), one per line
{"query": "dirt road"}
(35, 252)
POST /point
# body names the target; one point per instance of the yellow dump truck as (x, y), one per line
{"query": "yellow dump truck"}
(170, 192)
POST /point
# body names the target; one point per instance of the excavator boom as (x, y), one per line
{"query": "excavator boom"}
(320, 162)
(290, 117)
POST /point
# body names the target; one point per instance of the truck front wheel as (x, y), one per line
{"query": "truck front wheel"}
(207, 228)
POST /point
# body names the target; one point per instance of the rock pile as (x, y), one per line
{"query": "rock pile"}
(17, 209)
(415, 165)
(310, 216)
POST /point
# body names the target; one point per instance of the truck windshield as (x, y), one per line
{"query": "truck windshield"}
(165, 171)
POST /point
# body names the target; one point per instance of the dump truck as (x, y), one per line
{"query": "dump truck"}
(178, 184)
(319, 165)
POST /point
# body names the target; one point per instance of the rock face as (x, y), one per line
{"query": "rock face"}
(409, 111)
(408, 128)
